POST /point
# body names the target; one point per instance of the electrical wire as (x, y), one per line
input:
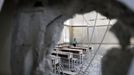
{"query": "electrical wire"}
(97, 48)
(93, 27)
(88, 35)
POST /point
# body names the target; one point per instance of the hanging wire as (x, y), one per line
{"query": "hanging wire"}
(88, 36)
(82, 39)
(98, 48)
(90, 41)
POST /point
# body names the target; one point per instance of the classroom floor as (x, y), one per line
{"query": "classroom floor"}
(94, 60)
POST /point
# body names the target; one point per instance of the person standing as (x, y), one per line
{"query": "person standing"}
(74, 42)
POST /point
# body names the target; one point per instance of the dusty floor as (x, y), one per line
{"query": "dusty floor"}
(94, 61)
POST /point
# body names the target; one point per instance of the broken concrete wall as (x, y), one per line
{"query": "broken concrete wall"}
(31, 24)
(6, 21)
(36, 31)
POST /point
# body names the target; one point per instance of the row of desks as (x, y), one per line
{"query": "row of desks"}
(69, 53)
(76, 53)
(65, 52)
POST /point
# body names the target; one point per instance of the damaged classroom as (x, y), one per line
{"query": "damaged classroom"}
(66, 37)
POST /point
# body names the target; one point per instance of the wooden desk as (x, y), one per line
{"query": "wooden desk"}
(75, 52)
(80, 48)
(62, 54)
(65, 55)
(64, 46)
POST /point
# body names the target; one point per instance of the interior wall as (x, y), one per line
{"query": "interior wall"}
(83, 36)
(65, 36)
